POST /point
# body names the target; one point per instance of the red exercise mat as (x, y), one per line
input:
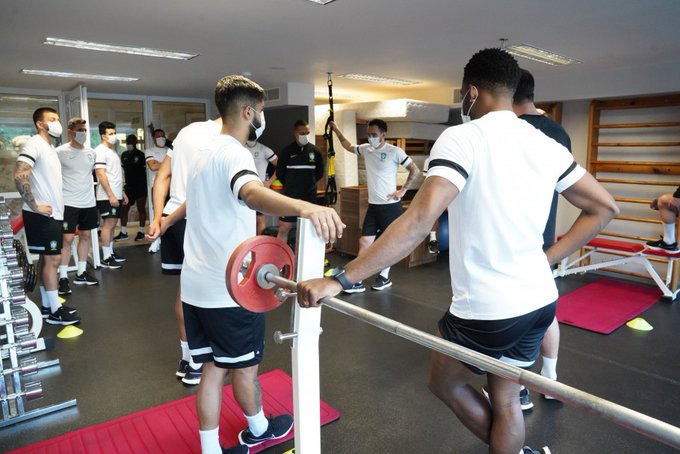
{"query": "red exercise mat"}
(172, 428)
(604, 305)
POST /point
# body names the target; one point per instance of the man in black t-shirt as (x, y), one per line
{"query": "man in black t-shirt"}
(134, 167)
(299, 168)
(523, 105)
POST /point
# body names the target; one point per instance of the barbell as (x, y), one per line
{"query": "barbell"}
(260, 264)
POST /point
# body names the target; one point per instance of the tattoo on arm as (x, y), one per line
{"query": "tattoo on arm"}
(413, 173)
(258, 394)
(22, 173)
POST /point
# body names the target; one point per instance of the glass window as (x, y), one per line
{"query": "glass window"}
(128, 116)
(16, 126)
(173, 116)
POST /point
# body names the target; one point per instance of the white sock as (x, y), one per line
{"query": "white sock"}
(107, 251)
(258, 423)
(82, 266)
(669, 233)
(210, 441)
(53, 299)
(43, 297)
(186, 353)
(549, 368)
(386, 272)
(63, 271)
(123, 230)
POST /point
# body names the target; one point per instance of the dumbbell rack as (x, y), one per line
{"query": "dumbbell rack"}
(17, 341)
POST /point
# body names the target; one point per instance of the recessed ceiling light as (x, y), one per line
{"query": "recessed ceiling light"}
(540, 55)
(378, 79)
(145, 51)
(321, 2)
(42, 72)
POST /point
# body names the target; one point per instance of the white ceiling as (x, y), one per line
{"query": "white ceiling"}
(626, 46)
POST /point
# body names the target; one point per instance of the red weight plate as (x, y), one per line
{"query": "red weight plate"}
(245, 290)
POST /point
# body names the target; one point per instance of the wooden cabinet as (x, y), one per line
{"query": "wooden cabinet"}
(353, 206)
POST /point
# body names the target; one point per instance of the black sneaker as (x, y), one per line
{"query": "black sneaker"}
(62, 317)
(110, 263)
(381, 283)
(356, 288)
(182, 368)
(64, 289)
(192, 376)
(121, 236)
(46, 311)
(524, 399)
(236, 449)
(118, 258)
(85, 279)
(278, 428)
(139, 236)
(661, 245)
(528, 450)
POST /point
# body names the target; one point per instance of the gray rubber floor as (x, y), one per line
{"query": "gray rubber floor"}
(126, 358)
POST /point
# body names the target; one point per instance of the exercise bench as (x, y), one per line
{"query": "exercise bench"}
(631, 252)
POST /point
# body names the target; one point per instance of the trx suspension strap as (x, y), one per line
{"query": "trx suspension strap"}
(331, 188)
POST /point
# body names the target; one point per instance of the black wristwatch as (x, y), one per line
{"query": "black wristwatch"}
(338, 274)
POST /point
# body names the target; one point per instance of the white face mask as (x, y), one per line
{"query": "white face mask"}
(81, 137)
(303, 139)
(463, 116)
(54, 129)
(112, 139)
(160, 141)
(374, 141)
(130, 147)
(256, 132)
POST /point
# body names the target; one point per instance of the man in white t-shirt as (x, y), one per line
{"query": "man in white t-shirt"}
(224, 189)
(80, 206)
(263, 156)
(384, 200)
(37, 176)
(155, 155)
(172, 177)
(496, 175)
(110, 194)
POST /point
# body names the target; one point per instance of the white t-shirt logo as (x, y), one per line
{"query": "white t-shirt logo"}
(383, 156)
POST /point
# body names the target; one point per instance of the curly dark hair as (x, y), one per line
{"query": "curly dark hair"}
(492, 69)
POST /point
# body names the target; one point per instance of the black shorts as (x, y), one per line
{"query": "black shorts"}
(172, 248)
(43, 233)
(515, 341)
(81, 218)
(232, 337)
(134, 193)
(379, 217)
(107, 211)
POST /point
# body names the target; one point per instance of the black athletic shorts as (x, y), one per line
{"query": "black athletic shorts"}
(379, 217)
(172, 248)
(43, 233)
(81, 218)
(107, 211)
(232, 337)
(516, 341)
(133, 193)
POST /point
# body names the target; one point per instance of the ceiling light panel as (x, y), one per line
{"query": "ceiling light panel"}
(42, 72)
(321, 2)
(102, 47)
(378, 79)
(540, 55)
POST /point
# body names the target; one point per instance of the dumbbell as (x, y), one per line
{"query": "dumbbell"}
(9, 259)
(32, 390)
(24, 342)
(26, 367)
(14, 275)
(19, 317)
(6, 232)
(16, 297)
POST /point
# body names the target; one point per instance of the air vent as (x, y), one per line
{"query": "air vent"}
(273, 94)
